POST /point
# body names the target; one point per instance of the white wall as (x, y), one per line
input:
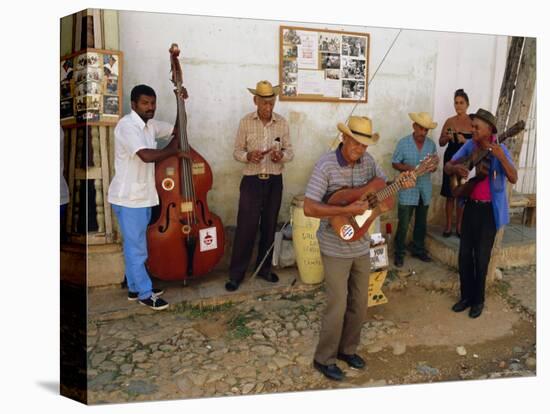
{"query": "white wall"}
(221, 57)
(474, 63)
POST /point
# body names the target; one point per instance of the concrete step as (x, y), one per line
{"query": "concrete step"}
(518, 246)
(105, 303)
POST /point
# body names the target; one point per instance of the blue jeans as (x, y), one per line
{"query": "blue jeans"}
(133, 225)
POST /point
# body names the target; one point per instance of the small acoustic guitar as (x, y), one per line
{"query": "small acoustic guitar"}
(352, 228)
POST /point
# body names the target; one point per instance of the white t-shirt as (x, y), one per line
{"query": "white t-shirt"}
(134, 182)
(62, 182)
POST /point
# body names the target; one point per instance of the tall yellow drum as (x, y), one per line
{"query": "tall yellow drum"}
(306, 246)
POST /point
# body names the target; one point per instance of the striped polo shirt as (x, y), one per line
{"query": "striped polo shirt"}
(331, 173)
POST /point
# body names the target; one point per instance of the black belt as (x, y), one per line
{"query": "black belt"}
(266, 176)
(263, 177)
(480, 201)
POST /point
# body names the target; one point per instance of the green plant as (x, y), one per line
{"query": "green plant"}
(392, 275)
(200, 311)
(237, 324)
(502, 287)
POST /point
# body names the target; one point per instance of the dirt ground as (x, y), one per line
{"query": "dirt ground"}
(432, 333)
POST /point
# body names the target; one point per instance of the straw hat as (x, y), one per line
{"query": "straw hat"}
(486, 116)
(360, 128)
(264, 89)
(423, 119)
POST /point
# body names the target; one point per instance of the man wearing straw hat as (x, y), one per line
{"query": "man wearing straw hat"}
(346, 264)
(408, 154)
(486, 209)
(263, 145)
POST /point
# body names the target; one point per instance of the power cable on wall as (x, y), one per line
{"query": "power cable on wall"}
(368, 84)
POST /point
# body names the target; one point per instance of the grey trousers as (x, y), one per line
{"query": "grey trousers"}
(347, 287)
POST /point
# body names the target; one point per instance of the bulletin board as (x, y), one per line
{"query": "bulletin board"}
(91, 87)
(323, 65)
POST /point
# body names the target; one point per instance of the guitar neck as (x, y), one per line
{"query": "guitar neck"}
(390, 190)
(475, 160)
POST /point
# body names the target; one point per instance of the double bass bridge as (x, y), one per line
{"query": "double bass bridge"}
(186, 207)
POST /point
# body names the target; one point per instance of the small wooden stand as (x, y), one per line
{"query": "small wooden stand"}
(379, 261)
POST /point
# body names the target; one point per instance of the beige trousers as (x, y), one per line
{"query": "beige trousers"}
(347, 286)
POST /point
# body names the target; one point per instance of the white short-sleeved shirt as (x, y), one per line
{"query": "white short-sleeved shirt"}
(134, 182)
(64, 193)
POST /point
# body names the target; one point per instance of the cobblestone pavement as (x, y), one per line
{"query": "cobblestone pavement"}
(266, 344)
(520, 286)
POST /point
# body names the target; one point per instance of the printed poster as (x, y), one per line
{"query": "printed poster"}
(307, 50)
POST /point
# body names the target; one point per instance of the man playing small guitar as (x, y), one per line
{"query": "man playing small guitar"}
(346, 263)
(486, 208)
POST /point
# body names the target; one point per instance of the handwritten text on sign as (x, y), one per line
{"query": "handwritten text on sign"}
(379, 256)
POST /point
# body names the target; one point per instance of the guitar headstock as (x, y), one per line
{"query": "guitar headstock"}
(513, 130)
(429, 163)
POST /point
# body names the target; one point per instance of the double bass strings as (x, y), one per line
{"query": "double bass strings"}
(187, 164)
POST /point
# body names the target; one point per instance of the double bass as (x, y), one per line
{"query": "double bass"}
(187, 239)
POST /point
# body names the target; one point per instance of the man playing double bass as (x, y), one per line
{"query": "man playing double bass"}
(132, 192)
(486, 209)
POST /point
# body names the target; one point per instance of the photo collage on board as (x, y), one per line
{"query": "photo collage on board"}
(324, 64)
(89, 90)
(291, 40)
